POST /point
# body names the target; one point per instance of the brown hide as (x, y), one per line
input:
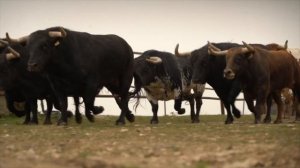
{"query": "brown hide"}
(287, 99)
(263, 73)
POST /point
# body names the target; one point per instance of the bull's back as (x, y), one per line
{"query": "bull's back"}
(102, 55)
(283, 69)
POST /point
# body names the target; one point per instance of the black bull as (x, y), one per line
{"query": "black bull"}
(209, 69)
(81, 64)
(165, 77)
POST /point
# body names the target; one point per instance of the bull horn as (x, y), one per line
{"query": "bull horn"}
(286, 44)
(19, 40)
(3, 43)
(213, 46)
(14, 52)
(60, 33)
(177, 54)
(154, 60)
(211, 51)
(10, 56)
(249, 47)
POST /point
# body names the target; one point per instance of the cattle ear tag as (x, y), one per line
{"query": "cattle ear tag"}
(56, 43)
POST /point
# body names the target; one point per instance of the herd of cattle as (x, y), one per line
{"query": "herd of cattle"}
(57, 63)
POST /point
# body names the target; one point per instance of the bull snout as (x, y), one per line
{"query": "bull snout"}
(229, 74)
(32, 67)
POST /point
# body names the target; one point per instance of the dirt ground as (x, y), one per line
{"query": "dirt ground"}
(173, 143)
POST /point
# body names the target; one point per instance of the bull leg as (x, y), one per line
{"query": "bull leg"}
(49, 111)
(250, 104)
(89, 103)
(277, 98)
(63, 104)
(78, 116)
(234, 92)
(178, 100)
(229, 119)
(268, 115)
(130, 117)
(27, 116)
(198, 100)
(190, 98)
(125, 112)
(198, 92)
(260, 108)
(154, 106)
(297, 105)
(33, 105)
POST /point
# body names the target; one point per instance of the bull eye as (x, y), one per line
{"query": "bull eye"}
(238, 59)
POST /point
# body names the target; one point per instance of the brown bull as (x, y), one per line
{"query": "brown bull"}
(263, 73)
(287, 98)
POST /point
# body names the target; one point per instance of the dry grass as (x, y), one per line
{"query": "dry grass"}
(174, 143)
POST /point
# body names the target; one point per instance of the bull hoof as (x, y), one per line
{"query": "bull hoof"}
(130, 117)
(69, 114)
(62, 123)
(236, 113)
(256, 121)
(196, 120)
(26, 122)
(47, 122)
(267, 120)
(78, 118)
(98, 110)
(228, 122)
(154, 122)
(277, 121)
(34, 122)
(90, 118)
(119, 122)
(181, 111)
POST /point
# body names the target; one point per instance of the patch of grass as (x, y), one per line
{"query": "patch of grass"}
(201, 164)
(174, 142)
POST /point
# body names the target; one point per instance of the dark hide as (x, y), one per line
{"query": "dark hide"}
(13, 96)
(188, 86)
(209, 69)
(80, 64)
(160, 80)
(20, 84)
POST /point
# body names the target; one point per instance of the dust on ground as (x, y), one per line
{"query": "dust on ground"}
(174, 143)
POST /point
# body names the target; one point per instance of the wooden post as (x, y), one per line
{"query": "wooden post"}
(165, 108)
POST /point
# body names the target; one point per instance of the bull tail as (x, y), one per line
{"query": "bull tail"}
(137, 91)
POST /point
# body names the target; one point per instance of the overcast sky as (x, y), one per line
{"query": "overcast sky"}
(160, 24)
